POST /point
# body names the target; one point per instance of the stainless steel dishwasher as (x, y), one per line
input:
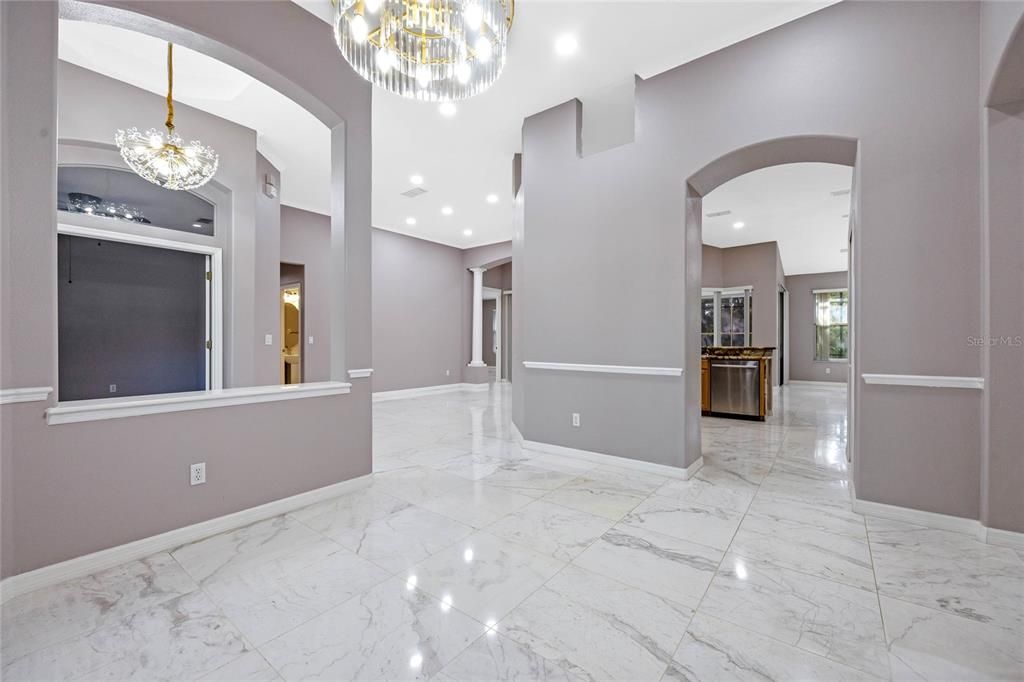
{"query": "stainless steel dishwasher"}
(734, 387)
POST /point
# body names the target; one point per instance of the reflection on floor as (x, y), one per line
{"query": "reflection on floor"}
(469, 558)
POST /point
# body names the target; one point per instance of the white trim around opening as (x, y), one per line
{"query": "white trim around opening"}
(215, 316)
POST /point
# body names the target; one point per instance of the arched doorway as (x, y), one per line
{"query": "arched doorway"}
(776, 152)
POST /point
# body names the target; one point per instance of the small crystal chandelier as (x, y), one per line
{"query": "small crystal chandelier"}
(168, 163)
(80, 202)
(430, 50)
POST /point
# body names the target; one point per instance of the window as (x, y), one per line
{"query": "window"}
(831, 325)
(725, 316)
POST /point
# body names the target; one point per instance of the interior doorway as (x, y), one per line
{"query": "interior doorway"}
(783, 333)
(291, 333)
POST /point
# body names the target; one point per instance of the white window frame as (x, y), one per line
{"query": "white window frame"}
(717, 293)
(814, 302)
(214, 286)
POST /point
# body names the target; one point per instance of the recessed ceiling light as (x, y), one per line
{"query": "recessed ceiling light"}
(738, 225)
(447, 109)
(410, 221)
(492, 198)
(447, 210)
(468, 232)
(196, 225)
(566, 44)
(416, 179)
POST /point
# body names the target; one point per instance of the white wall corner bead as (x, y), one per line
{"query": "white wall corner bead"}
(24, 395)
(604, 369)
(360, 373)
(924, 381)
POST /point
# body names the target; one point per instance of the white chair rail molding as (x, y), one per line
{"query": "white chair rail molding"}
(604, 369)
(924, 381)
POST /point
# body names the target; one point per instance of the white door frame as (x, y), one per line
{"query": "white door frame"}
(501, 334)
(497, 316)
(215, 284)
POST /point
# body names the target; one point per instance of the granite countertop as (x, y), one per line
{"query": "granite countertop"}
(738, 352)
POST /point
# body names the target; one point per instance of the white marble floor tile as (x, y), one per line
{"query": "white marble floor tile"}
(235, 551)
(806, 549)
(495, 657)
(661, 564)
(476, 504)
(599, 496)
(249, 667)
(484, 576)
(397, 539)
(837, 621)
(931, 645)
(710, 488)
(271, 598)
(518, 476)
(393, 631)
(183, 638)
(551, 529)
(715, 650)
(788, 512)
(38, 619)
(597, 627)
(951, 572)
(711, 526)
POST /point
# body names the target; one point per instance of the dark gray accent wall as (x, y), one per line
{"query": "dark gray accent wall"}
(802, 365)
(417, 312)
(618, 234)
(130, 318)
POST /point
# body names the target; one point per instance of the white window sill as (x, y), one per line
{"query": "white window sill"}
(135, 406)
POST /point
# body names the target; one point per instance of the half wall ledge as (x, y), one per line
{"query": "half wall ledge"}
(135, 406)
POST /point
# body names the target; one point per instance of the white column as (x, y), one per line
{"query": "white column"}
(478, 317)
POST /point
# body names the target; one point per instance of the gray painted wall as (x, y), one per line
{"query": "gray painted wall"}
(1002, 351)
(802, 365)
(417, 312)
(907, 101)
(125, 479)
(305, 240)
(266, 288)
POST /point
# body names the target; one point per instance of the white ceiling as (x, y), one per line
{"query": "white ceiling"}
(792, 204)
(466, 157)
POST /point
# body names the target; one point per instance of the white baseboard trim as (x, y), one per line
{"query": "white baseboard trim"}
(1005, 538)
(615, 460)
(807, 382)
(24, 395)
(517, 435)
(956, 524)
(403, 393)
(88, 564)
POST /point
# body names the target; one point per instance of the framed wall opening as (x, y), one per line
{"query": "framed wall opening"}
(136, 315)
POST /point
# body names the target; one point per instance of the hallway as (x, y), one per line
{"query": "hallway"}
(466, 557)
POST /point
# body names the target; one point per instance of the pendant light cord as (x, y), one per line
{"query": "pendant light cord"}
(170, 88)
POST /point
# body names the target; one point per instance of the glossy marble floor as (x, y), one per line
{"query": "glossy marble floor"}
(466, 557)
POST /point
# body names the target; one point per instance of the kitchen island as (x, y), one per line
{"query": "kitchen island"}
(736, 381)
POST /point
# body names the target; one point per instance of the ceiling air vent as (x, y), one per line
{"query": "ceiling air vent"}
(717, 214)
(414, 192)
(840, 192)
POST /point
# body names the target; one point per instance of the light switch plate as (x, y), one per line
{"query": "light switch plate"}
(311, 340)
(268, 340)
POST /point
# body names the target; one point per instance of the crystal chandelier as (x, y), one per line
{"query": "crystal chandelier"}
(430, 50)
(168, 162)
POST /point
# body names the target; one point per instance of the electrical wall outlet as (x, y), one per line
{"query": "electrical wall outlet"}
(311, 340)
(447, 372)
(828, 370)
(268, 340)
(197, 473)
(113, 388)
(576, 419)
